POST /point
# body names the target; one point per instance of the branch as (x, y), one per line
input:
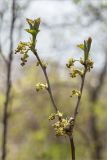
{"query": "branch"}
(47, 80)
(72, 147)
(75, 115)
(79, 97)
(8, 87)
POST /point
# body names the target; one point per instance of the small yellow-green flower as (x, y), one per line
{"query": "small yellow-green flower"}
(23, 48)
(89, 64)
(41, 86)
(74, 72)
(59, 114)
(70, 63)
(60, 126)
(75, 92)
(52, 116)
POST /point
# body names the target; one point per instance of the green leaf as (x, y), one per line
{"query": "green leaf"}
(34, 24)
(31, 31)
(37, 23)
(30, 22)
(89, 41)
(85, 51)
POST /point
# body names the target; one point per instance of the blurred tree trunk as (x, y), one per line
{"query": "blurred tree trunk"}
(8, 85)
(95, 133)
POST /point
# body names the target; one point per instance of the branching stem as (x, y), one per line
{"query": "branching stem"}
(72, 146)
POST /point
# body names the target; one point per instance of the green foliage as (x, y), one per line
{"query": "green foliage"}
(24, 47)
(61, 125)
(86, 48)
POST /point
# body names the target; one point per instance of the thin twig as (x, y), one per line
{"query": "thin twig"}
(72, 147)
(8, 87)
(79, 97)
(47, 80)
(76, 112)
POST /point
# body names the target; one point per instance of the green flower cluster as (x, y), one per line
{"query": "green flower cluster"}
(41, 86)
(74, 72)
(54, 115)
(75, 92)
(62, 126)
(89, 64)
(70, 63)
(24, 47)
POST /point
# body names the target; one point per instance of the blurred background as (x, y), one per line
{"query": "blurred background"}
(65, 23)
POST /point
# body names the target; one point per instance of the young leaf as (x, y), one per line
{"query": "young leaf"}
(89, 41)
(30, 22)
(36, 23)
(85, 51)
(31, 31)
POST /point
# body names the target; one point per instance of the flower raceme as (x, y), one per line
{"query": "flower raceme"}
(62, 126)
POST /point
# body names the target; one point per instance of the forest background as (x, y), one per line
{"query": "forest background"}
(65, 23)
